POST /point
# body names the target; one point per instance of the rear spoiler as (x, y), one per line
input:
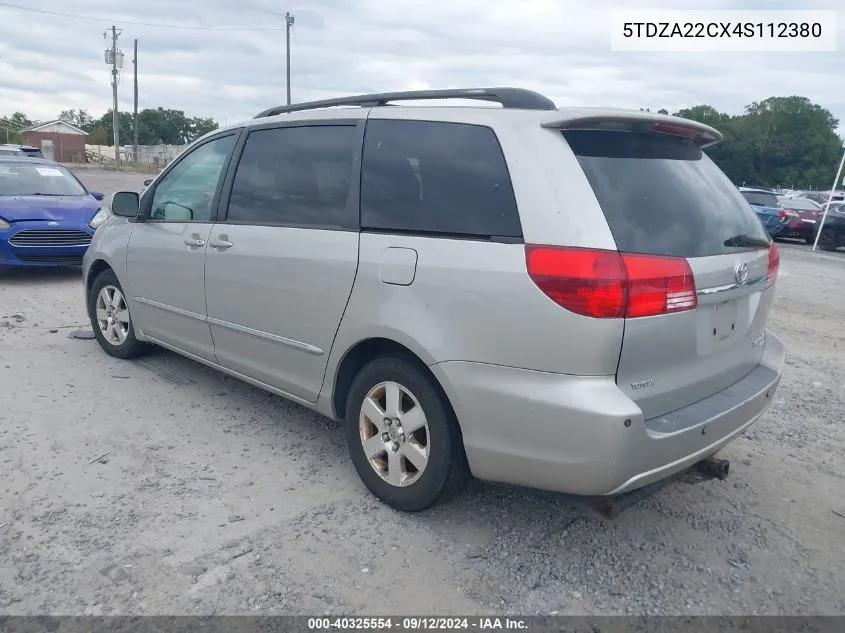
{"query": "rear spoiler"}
(704, 135)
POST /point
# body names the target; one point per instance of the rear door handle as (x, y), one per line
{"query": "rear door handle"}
(221, 242)
(194, 243)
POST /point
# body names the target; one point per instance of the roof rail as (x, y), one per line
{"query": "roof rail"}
(510, 98)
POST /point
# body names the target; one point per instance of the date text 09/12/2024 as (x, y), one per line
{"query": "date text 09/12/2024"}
(401, 624)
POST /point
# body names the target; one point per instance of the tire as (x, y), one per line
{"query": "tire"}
(117, 339)
(827, 240)
(391, 475)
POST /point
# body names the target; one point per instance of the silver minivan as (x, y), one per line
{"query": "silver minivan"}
(569, 299)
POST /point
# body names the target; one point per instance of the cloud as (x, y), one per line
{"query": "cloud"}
(49, 63)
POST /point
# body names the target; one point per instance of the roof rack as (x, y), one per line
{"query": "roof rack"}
(510, 98)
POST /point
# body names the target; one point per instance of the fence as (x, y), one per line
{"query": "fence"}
(148, 155)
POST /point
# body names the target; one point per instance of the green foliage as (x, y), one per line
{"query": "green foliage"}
(155, 126)
(10, 127)
(79, 118)
(786, 141)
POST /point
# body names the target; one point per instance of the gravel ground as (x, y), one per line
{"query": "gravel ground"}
(162, 487)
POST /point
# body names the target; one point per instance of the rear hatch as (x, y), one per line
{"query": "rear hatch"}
(670, 208)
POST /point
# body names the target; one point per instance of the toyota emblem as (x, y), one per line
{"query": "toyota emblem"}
(741, 273)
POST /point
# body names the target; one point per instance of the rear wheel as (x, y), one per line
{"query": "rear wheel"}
(403, 437)
(109, 313)
(827, 240)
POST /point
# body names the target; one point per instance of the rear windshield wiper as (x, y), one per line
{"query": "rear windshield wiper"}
(744, 241)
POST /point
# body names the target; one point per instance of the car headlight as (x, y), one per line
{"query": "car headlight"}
(4, 225)
(101, 216)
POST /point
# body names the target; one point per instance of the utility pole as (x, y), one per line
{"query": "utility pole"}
(115, 113)
(288, 24)
(135, 115)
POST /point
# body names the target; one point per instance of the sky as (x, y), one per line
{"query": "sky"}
(561, 48)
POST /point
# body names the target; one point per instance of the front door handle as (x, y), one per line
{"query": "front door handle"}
(221, 242)
(194, 242)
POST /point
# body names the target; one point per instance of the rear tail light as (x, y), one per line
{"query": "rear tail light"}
(611, 285)
(774, 265)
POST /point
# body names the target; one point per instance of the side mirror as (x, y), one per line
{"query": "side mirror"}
(125, 204)
(97, 195)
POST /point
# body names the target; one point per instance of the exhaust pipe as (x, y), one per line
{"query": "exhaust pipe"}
(714, 468)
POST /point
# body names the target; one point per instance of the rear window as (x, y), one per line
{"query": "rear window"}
(433, 178)
(661, 195)
(761, 198)
(799, 204)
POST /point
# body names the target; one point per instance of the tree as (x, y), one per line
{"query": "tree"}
(11, 126)
(97, 136)
(780, 140)
(199, 126)
(78, 118)
(106, 123)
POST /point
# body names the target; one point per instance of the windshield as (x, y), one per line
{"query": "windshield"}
(662, 195)
(761, 198)
(26, 179)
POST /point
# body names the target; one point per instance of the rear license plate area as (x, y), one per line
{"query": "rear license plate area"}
(723, 320)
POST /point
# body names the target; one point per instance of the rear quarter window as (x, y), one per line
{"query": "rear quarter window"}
(436, 178)
(661, 194)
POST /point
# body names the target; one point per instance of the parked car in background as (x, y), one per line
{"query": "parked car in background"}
(367, 262)
(26, 150)
(32, 152)
(47, 217)
(803, 224)
(11, 151)
(765, 204)
(821, 197)
(833, 233)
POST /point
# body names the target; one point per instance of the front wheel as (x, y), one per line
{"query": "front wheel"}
(827, 240)
(109, 313)
(403, 436)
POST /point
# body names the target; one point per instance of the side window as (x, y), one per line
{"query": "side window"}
(436, 178)
(295, 176)
(186, 192)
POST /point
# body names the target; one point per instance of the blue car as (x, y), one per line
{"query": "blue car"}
(47, 217)
(771, 213)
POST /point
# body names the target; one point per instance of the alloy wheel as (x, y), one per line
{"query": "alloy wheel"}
(112, 315)
(394, 433)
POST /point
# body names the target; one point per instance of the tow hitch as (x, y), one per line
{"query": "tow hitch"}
(610, 507)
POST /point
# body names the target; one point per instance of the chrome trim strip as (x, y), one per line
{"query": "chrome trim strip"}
(50, 245)
(728, 287)
(167, 308)
(266, 336)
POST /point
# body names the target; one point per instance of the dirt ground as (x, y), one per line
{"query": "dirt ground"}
(161, 487)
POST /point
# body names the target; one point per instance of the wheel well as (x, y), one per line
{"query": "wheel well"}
(361, 354)
(96, 268)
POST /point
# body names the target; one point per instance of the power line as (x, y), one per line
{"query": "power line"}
(153, 24)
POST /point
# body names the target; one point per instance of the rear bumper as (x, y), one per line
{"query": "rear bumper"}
(798, 231)
(569, 434)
